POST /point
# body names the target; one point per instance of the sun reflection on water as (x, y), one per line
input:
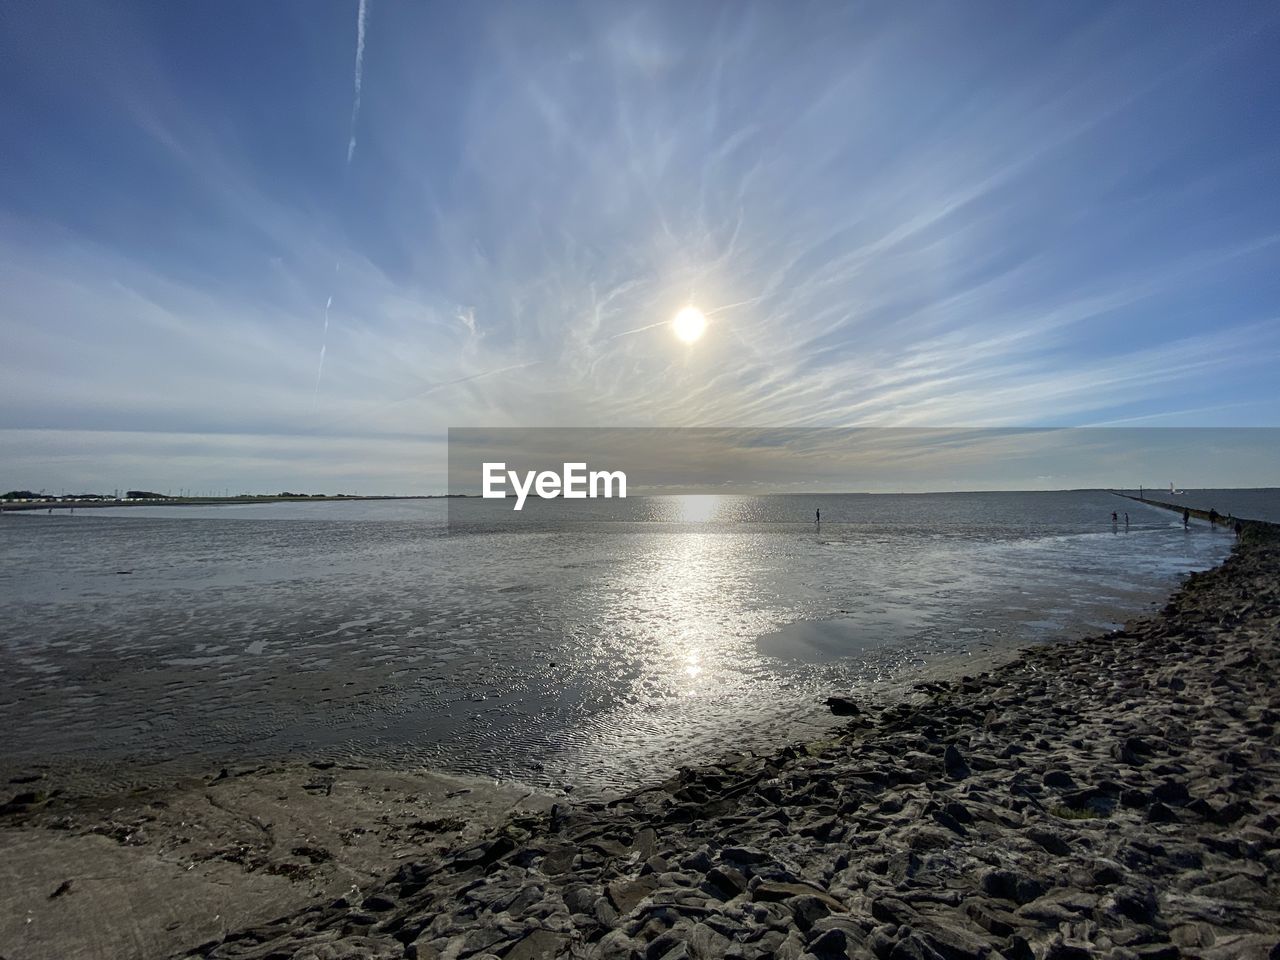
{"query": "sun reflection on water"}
(683, 583)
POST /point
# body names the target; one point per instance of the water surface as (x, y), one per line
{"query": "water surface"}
(665, 631)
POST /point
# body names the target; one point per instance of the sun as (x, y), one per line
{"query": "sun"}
(689, 324)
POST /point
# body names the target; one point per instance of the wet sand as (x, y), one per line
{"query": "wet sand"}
(159, 870)
(1116, 796)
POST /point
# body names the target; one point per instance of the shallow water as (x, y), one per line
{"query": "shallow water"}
(665, 631)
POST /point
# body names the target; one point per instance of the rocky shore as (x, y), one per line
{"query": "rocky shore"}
(1116, 796)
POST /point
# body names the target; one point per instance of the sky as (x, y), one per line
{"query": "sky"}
(261, 246)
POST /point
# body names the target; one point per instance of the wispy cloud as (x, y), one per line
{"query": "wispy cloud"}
(891, 216)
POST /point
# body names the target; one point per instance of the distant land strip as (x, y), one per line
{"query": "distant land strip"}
(6, 506)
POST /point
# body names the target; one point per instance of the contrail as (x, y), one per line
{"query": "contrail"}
(359, 78)
(324, 342)
(662, 323)
(432, 388)
(475, 376)
(362, 15)
(731, 306)
(647, 326)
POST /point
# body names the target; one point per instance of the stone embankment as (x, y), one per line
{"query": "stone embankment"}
(1116, 796)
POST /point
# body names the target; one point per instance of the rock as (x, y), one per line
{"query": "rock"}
(913, 947)
(843, 706)
(726, 881)
(1243, 946)
(707, 942)
(625, 895)
(1059, 906)
(881, 940)
(1007, 885)
(1159, 813)
(950, 822)
(1059, 780)
(616, 945)
(644, 842)
(1172, 792)
(958, 812)
(743, 855)
(954, 763)
(808, 909)
(892, 910)
(1061, 950)
(1051, 840)
(604, 912)
(557, 861)
(992, 918)
(484, 854)
(698, 862)
(1136, 903)
(1132, 751)
(953, 943)
(1133, 798)
(536, 945)
(580, 898)
(830, 945)
(771, 891)
(1236, 888)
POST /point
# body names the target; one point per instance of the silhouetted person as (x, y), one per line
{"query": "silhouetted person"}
(1186, 518)
(817, 516)
(1126, 519)
(1213, 517)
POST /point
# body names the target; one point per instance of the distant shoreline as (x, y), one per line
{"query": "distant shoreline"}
(16, 506)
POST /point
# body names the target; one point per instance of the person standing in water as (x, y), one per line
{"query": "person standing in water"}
(1186, 518)
(817, 515)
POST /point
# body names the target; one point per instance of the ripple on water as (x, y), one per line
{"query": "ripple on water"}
(595, 660)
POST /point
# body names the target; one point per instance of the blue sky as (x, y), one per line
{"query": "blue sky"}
(916, 214)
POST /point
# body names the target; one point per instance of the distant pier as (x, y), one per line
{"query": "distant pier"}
(1196, 512)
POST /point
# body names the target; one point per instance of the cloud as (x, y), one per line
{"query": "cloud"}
(890, 217)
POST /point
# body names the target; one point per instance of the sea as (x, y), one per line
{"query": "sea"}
(594, 657)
